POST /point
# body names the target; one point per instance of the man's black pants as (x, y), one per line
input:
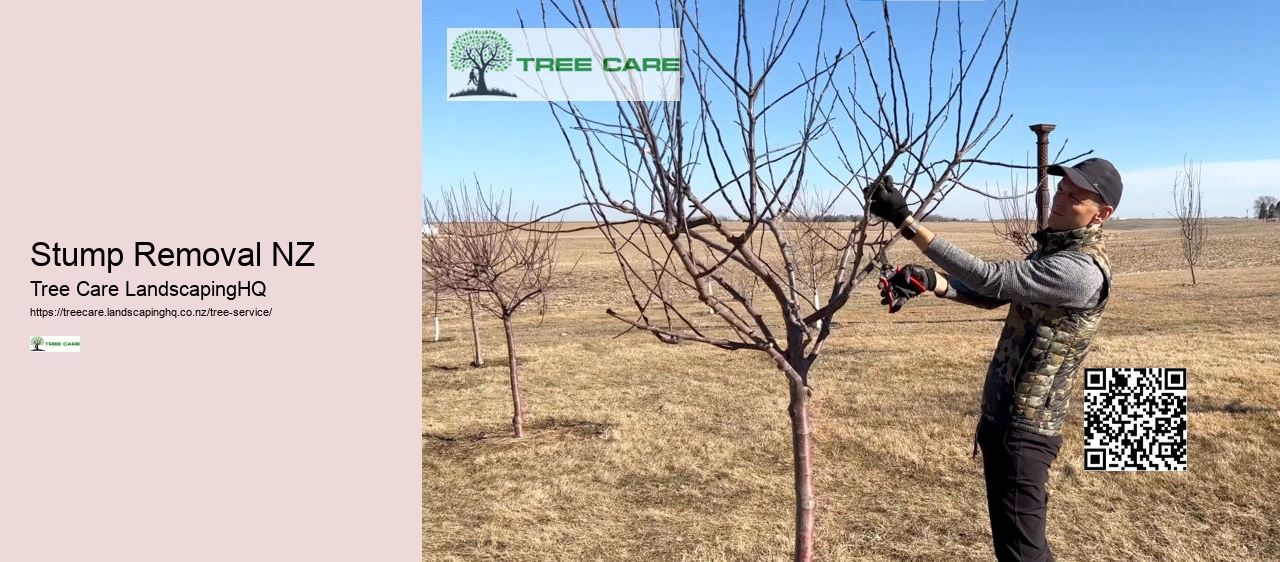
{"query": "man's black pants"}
(1016, 463)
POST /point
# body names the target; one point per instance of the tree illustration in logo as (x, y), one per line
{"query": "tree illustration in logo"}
(37, 341)
(477, 52)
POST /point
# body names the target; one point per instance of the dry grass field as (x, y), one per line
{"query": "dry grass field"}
(637, 450)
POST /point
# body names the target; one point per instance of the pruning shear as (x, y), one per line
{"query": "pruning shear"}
(887, 270)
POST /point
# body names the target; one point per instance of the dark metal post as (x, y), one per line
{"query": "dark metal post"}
(1042, 179)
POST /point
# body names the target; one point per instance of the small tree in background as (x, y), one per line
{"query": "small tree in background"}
(1187, 197)
(1017, 220)
(816, 244)
(429, 281)
(480, 254)
(1019, 216)
(435, 315)
(427, 284)
(1264, 206)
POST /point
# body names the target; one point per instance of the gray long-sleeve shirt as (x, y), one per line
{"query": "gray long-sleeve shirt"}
(1068, 279)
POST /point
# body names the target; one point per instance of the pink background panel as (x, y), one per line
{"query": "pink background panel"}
(216, 124)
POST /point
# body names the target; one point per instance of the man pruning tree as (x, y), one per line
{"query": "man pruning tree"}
(1056, 297)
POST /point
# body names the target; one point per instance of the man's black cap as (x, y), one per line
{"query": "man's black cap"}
(1096, 175)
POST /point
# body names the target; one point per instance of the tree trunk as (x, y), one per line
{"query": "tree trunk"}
(817, 303)
(436, 320)
(517, 399)
(475, 333)
(802, 456)
(480, 84)
(1193, 274)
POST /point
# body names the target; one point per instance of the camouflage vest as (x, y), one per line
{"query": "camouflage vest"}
(1042, 347)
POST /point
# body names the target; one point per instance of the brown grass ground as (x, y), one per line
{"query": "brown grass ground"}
(637, 450)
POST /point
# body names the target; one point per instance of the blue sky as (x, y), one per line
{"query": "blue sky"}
(1144, 84)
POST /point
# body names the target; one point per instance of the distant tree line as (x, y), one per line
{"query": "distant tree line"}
(944, 218)
(1266, 208)
(839, 218)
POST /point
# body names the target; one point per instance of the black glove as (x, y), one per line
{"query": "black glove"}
(886, 202)
(907, 282)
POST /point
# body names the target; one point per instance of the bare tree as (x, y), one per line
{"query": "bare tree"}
(664, 180)
(817, 245)
(430, 279)
(1187, 197)
(427, 287)
(498, 268)
(427, 283)
(1018, 217)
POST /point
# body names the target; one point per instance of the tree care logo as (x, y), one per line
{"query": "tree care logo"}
(54, 344)
(477, 53)
(554, 64)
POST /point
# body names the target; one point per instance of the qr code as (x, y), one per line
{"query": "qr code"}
(1135, 419)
